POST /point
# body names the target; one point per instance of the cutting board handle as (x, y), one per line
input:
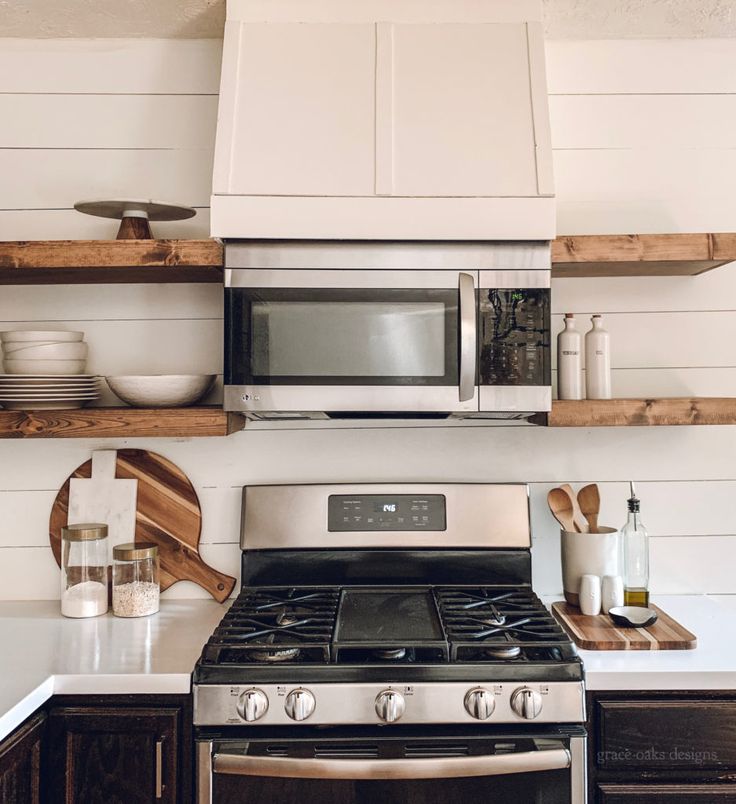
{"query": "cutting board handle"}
(219, 585)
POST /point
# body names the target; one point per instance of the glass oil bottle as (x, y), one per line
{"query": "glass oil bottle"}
(635, 549)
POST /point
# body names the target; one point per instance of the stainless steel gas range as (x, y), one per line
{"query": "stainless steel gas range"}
(387, 645)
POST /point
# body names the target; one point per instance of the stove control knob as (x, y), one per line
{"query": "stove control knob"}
(390, 705)
(299, 704)
(526, 703)
(252, 704)
(479, 703)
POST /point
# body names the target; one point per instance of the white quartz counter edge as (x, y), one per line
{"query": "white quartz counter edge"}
(710, 666)
(45, 654)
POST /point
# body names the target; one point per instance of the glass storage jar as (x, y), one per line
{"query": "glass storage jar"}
(84, 570)
(135, 581)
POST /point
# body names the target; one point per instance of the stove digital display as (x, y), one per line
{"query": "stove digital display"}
(376, 512)
(385, 507)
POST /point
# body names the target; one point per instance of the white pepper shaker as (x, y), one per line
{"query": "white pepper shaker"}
(612, 592)
(590, 595)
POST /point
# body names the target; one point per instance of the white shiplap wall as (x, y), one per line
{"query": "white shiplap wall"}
(643, 142)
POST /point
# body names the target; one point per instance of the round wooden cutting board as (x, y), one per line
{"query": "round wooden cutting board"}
(167, 514)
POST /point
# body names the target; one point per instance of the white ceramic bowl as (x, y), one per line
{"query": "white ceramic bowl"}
(33, 335)
(44, 366)
(45, 351)
(161, 390)
(12, 346)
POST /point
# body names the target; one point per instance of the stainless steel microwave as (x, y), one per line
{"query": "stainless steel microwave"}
(363, 330)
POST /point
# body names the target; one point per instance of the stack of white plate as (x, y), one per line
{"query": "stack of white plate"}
(47, 392)
(43, 352)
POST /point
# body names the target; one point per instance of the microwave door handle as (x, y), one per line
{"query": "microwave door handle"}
(468, 336)
(435, 768)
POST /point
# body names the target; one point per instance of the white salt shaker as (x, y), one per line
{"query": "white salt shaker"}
(612, 592)
(590, 595)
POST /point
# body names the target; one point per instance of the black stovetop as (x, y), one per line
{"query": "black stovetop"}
(340, 633)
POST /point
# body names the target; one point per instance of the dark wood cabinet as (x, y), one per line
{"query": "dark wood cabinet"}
(666, 794)
(20, 763)
(661, 747)
(118, 750)
(99, 755)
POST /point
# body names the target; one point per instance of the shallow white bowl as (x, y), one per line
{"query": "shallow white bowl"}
(55, 336)
(45, 351)
(161, 390)
(44, 366)
(13, 346)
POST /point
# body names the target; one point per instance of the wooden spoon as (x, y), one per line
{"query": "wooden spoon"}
(560, 505)
(580, 522)
(589, 499)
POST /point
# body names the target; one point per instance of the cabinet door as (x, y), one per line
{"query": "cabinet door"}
(20, 760)
(101, 755)
(666, 794)
(301, 110)
(461, 112)
(666, 735)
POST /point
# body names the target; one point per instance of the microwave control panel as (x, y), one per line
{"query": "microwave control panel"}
(514, 330)
(378, 512)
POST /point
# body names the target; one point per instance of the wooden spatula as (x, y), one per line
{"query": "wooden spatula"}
(580, 522)
(560, 505)
(589, 499)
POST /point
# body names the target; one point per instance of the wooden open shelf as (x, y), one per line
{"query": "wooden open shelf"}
(640, 412)
(44, 262)
(119, 423)
(641, 255)
(213, 421)
(110, 261)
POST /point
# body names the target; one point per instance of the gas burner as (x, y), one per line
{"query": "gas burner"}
(497, 624)
(502, 651)
(485, 598)
(274, 656)
(285, 617)
(392, 654)
(291, 600)
(273, 625)
(494, 617)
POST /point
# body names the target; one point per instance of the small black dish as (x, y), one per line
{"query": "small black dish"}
(633, 616)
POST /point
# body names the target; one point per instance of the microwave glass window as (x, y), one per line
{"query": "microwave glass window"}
(369, 339)
(347, 336)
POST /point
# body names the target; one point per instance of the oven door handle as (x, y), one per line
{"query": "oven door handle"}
(435, 768)
(468, 336)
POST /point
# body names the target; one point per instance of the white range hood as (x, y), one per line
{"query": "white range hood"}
(383, 120)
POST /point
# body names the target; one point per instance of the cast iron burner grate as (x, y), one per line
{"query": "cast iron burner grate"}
(272, 626)
(493, 624)
(387, 626)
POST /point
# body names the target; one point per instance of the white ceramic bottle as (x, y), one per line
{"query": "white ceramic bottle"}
(569, 361)
(597, 361)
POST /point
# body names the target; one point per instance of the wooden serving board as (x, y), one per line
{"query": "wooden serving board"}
(600, 632)
(167, 514)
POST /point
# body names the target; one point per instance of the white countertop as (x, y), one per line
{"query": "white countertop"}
(46, 654)
(710, 666)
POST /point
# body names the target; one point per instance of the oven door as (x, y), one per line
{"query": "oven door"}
(548, 769)
(350, 341)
